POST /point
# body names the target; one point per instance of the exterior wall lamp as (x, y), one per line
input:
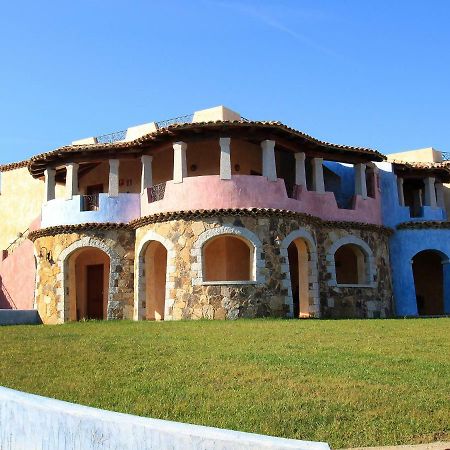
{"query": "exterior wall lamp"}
(47, 254)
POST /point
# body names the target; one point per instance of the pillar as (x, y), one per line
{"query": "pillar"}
(401, 194)
(300, 174)
(318, 181)
(440, 198)
(147, 172)
(269, 167)
(49, 184)
(113, 189)
(71, 180)
(225, 159)
(360, 180)
(430, 192)
(179, 162)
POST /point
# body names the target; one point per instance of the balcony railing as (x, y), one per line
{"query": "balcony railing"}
(90, 202)
(156, 192)
(180, 119)
(112, 137)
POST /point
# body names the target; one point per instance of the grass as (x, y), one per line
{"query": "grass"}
(350, 383)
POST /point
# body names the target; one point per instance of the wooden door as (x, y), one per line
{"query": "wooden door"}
(94, 297)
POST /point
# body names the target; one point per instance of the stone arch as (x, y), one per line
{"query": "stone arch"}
(370, 268)
(256, 246)
(313, 285)
(139, 279)
(85, 242)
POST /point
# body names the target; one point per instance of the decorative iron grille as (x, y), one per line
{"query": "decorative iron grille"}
(445, 156)
(180, 119)
(90, 202)
(156, 192)
(112, 137)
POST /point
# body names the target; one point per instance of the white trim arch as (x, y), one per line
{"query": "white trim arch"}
(313, 284)
(370, 266)
(63, 306)
(139, 275)
(230, 230)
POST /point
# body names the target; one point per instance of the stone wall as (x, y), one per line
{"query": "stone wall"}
(187, 297)
(52, 287)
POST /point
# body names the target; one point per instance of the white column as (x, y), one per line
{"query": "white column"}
(360, 180)
(179, 162)
(430, 192)
(318, 181)
(269, 167)
(401, 194)
(113, 189)
(147, 172)
(440, 198)
(49, 184)
(225, 159)
(300, 174)
(71, 180)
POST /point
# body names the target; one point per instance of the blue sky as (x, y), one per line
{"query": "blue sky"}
(370, 73)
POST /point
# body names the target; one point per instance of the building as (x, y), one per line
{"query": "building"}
(215, 216)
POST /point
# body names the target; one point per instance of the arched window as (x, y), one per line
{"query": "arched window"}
(227, 258)
(351, 265)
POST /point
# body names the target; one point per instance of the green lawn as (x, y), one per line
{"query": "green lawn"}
(350, 383)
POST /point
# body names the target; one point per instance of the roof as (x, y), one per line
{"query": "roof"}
(439, 169)
(284, 135)
(14, 165)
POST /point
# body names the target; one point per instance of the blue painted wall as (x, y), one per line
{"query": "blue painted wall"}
(119, 209)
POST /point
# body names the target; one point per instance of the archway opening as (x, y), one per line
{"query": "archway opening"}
(350, 263)
(155, 260)
(429, 282)
(227, 258)
(299, 257)
(88, 283)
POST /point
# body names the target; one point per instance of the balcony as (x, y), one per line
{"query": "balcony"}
(250, 191)
(87, 209)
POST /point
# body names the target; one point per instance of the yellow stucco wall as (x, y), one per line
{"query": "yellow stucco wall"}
(428, 154)
(20, 203)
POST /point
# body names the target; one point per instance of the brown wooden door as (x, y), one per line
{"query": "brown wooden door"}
(94, 298)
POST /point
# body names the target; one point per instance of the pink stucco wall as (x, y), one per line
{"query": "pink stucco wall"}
(17, 275)
(248, 191)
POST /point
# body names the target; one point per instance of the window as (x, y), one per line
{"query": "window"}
(350, 263)
(227, 258)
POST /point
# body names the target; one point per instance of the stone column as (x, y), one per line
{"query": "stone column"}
(401, 194)
(360, 180)
(71, 180)
(113, 189)
(49, 184)
(440, 199)
(300, 174)
(179, 162)
(430, 192)
(225, 159)
(269, 167)
(318, 181)
(147, 172)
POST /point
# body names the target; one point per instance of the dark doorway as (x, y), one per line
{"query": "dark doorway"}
(94, 295)
(293, 269)
(429, 283)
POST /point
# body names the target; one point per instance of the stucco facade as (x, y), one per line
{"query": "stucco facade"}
(219, 217)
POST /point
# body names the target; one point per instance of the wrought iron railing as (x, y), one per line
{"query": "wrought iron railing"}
(90, 202)
(8, 297)
(156, 192)
(112, 137)
(180, 119)
(21, 237)
(445, 156)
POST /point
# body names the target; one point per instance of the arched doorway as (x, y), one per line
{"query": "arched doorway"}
(350, 264)
(298, 255)
(88, 284)
(155, 260)
(429, 282)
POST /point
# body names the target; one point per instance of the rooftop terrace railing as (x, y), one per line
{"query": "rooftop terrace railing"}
(180, 119)
(445, 156)
(112, 137)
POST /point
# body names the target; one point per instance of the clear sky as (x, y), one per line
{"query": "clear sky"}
(371, 73)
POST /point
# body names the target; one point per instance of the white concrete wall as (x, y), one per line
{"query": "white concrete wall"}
(31, 422)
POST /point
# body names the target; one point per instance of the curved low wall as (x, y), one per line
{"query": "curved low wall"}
(31, 422)
(250, 191)
(121, 209)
